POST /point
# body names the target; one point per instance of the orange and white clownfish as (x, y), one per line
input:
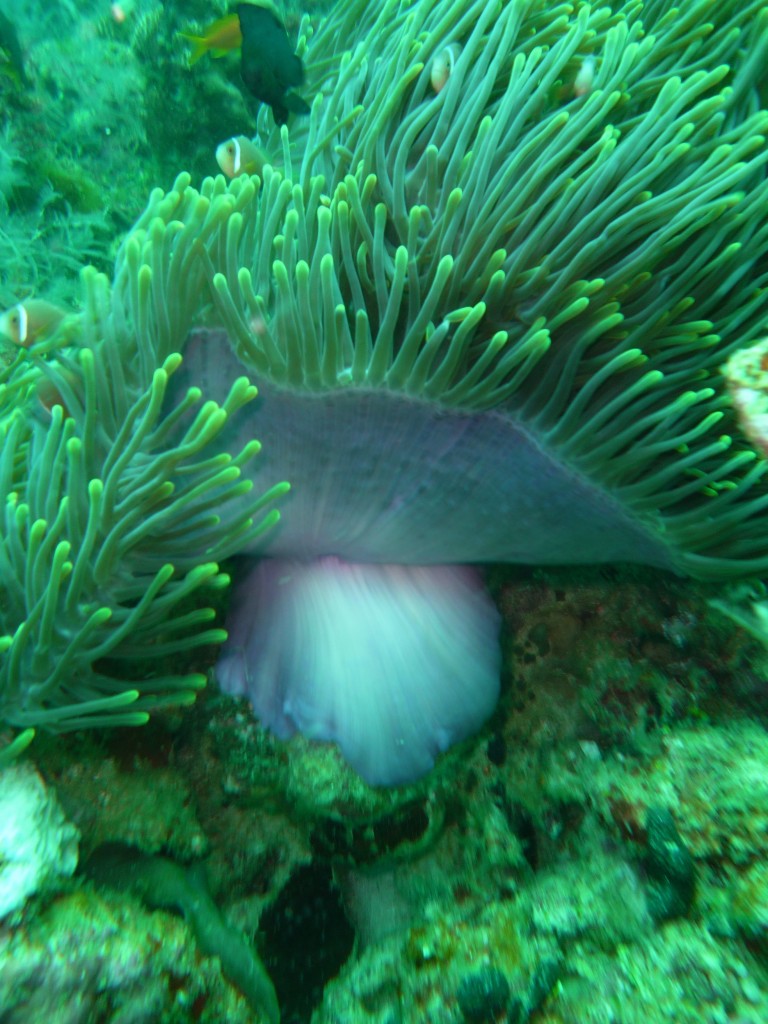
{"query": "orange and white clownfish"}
(582, 84)
(240, 155)
(29, 321)
(443, 65)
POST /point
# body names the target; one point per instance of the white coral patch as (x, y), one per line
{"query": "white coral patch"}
(37, 844)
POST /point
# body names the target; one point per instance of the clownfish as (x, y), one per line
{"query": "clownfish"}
(29, 321)
(240, 155)
(443, 65)
(586, 75)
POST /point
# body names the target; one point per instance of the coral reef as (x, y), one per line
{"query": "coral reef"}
(162, 883)
(127, 963)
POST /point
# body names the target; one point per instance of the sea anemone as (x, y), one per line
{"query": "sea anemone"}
(109, 543)
(490, 326)
(489, 323)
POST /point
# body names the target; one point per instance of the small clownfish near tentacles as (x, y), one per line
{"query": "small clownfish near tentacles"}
(443, 65)
(585, 77)
(31, 321)
(240, 155)
(580, 84)
(49, 395)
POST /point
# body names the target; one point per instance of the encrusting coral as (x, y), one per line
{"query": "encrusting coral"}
(485, 324)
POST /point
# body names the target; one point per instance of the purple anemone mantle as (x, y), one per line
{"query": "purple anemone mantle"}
(360, 621)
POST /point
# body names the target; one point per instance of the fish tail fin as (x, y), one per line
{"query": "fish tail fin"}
(199, 46)
(296, 104)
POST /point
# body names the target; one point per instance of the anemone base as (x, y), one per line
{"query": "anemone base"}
(394, 663)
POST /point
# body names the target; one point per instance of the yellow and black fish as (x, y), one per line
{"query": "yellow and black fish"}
(268, 66)
(217, 39)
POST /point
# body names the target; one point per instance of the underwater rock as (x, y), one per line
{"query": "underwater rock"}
(93, 957)
(38, 845)
(483, 995)
(670, 866)
(749, 910)
(162, 883)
